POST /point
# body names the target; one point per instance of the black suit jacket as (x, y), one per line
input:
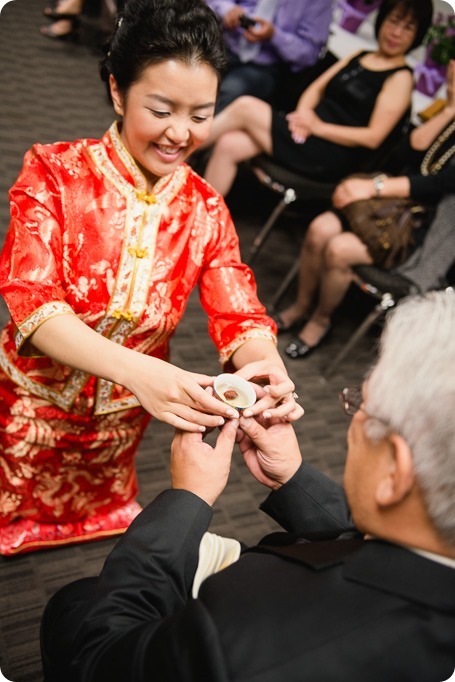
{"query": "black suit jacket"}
(334, 609)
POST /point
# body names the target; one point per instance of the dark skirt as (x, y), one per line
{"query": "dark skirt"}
(316, 158)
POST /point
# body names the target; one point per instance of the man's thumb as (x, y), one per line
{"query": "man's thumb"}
(253, 429)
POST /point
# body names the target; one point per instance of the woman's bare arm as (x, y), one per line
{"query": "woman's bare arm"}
(391, 104)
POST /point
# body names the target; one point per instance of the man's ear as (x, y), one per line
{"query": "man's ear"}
(397, 477)
(116, 95)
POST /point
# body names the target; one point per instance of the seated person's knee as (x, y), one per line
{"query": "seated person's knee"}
(337, 253)
(321, 229)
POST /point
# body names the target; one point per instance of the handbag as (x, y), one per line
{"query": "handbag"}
(385, 225)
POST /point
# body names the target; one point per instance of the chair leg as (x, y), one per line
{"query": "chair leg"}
(285, 284)
(288, 198)
(380, 309)
(264, 232)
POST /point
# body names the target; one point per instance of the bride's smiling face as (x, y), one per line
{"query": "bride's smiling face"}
(167, 114)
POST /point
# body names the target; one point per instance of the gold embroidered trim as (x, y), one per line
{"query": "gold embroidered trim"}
(135, 272)
(164, 190)
(64, 400)
(257, 333)
(126, 158)
(105, 404)
(36, 319)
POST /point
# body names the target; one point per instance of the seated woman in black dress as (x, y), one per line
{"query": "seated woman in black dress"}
(349, 110)
(329, 251)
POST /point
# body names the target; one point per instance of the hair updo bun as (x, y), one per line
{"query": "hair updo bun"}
(149, 32)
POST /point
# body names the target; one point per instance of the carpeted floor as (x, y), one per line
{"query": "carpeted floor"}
(49, 91)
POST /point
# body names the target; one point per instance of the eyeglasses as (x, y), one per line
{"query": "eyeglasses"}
(396, 21)
(351, 399)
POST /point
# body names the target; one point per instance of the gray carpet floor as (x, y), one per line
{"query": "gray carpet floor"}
(50, 90)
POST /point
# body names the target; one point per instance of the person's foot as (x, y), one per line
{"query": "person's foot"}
(59, 30)
(65, 9)
(310, 338)
(289, 319)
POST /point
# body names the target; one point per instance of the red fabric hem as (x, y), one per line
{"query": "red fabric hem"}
(25, 535)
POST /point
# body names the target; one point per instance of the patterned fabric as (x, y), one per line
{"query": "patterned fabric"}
(86, 239)
(430, 263)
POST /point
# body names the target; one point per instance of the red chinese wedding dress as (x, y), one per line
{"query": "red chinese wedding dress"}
(86, 239)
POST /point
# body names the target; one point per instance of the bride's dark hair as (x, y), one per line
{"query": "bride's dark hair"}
(149, 32)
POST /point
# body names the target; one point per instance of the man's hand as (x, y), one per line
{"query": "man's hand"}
(199, 468)
(261, 31)
(270, 450)
(231, 18)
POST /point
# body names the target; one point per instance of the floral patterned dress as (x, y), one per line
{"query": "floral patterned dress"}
(86, 239)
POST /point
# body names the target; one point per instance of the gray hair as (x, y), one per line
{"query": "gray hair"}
(412, 389)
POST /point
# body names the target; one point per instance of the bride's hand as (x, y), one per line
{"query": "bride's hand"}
(176, 396)
(276, 395)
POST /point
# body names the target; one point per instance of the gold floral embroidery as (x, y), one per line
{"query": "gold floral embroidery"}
(9, 502)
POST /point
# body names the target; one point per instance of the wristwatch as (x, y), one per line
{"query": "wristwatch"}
(378, 183)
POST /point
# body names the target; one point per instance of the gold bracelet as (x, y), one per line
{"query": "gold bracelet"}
(378, 183)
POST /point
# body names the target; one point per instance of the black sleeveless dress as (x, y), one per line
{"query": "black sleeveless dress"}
(348, 100)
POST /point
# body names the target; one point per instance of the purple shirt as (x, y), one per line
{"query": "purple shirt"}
(301, 30)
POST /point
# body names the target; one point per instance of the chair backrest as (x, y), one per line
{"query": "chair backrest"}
(377, 281)
(428, 265)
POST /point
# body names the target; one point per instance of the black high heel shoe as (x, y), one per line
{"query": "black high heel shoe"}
(298, 349)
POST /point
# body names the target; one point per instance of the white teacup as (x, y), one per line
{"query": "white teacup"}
(234, 391)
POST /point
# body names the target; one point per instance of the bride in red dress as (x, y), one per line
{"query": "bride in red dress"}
(106, 242)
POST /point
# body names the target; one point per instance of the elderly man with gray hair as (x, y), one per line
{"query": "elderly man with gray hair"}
(360, 587)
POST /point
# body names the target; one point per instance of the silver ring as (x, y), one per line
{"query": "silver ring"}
(295, 395)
